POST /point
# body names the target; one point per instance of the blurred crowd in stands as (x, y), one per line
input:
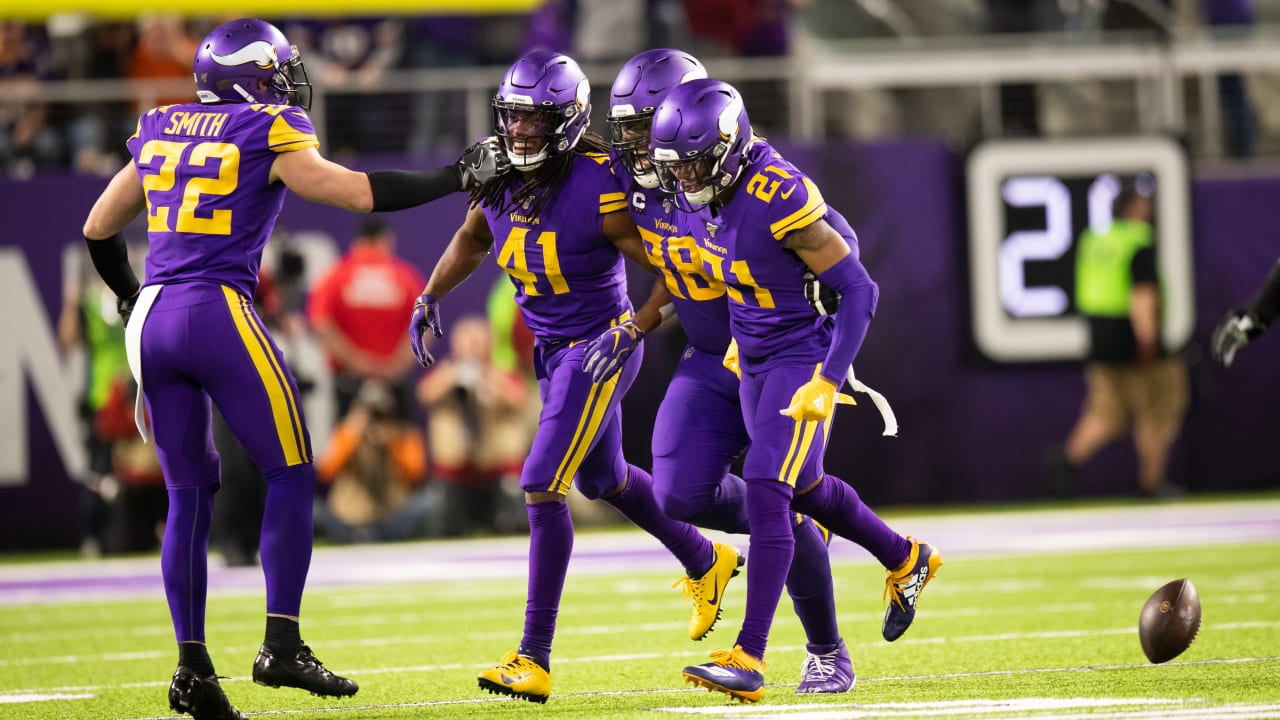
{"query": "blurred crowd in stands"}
(39, 132)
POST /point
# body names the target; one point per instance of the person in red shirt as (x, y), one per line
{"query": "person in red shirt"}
(357, 310)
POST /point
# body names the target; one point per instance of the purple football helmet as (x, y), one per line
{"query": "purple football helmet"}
(542, 108)
(641, 84)
(699, 140)
(250, 61)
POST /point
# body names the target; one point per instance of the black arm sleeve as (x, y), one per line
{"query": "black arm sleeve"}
(111, 260)
(400, 189)
(1266, 305)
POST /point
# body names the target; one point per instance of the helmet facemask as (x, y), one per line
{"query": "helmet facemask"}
(527, 132)
(690, 180)
(629, 136)
(291, 79)
(531, 133)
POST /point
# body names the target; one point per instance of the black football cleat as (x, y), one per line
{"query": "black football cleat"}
(200, 697)
(300, 670)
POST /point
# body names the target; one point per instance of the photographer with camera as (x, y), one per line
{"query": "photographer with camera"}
(480, 426)
(374, 471)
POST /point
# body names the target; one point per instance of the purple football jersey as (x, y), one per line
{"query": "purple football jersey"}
(570, 280)
(699, 298)
(741, 245)
(206, 172)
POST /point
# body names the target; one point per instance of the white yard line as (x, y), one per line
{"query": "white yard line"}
(144, 655)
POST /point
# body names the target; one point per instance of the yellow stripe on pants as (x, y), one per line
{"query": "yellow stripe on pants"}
(283, 410)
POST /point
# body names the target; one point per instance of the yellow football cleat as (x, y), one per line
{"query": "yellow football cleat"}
(708, 590)
(517, 676)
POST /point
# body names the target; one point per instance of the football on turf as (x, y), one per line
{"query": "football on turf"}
(1170, 621)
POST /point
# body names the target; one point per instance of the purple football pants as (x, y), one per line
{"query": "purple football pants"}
(784, 454)
(203, 342)
(579, 439)
(699, 432)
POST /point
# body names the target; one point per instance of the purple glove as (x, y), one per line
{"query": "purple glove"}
(608, 353)
(426, 314)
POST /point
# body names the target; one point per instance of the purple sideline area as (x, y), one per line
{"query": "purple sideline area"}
(971, 430)
(612, 553)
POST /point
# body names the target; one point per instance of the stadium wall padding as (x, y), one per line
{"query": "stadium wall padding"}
(971, 430)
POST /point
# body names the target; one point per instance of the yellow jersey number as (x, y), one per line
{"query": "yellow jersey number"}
(680, 263)
(513, 259)
(161, 180)
(737, 275)
(763, 187)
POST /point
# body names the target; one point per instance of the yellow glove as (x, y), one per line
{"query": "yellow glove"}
(816, 400)
(731, 359)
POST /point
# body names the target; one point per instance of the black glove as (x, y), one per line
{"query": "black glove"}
(482, 162)
(822, 299)
(125, 307)
(1236, 329)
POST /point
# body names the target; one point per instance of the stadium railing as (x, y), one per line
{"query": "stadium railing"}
(1167, 86)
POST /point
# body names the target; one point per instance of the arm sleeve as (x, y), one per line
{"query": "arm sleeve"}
(111, 259)
(402, 189)
(859, 295)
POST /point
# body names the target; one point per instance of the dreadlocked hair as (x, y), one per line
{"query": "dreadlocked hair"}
(536, 186)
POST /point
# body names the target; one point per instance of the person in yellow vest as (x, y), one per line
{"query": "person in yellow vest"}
(1132, 384)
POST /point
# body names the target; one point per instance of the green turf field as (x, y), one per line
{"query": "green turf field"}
(1018, 636)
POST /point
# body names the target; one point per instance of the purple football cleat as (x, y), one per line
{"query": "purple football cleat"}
(732, 672)
(826, 672)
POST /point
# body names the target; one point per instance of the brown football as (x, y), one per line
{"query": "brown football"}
(1170, 621)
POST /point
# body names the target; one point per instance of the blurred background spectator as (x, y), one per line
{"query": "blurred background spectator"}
(1134, 385)
(90, 324)
(27, 139)
(358, 309)
(373, 474)
(163, 51)
(479, 430)
(139, 502)
(1240, 128)
(123, 501)
(355, 53)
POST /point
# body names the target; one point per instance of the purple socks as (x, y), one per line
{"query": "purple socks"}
(550, 545)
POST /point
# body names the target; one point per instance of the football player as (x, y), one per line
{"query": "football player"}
(768, 224)
(211, 176)
(699, 431)
(561, 231)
